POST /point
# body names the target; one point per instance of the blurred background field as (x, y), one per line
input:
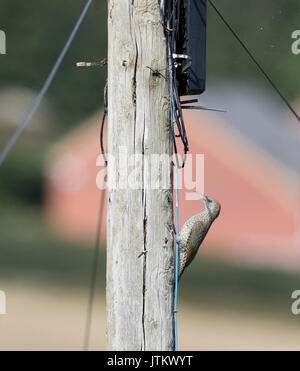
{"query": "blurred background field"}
(224, 303)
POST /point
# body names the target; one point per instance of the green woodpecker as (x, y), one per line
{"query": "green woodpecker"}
(194, 231)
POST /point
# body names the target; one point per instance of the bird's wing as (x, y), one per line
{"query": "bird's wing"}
(196, 236)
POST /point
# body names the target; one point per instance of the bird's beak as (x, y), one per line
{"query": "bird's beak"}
(201, 195)
(204, 199)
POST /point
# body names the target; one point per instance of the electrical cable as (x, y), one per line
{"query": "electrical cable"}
(255, 61)
(105, 111)
(89, 315)
(44, 89)
(180, 125)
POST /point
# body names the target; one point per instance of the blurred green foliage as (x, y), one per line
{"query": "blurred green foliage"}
(266, 28)
(22, 175)
(38, 29)
(34, 254)
(36, 32)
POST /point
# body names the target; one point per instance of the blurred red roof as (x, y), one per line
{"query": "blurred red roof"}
(259, 221)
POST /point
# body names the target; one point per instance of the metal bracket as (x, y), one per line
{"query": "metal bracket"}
(92, 64)
(180, 56)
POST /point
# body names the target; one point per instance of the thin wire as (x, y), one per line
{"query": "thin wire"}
(172, 118)
(172, 82)
(94, 275)
(105, 111)
(169, 23)
(97, 243)
(42, 93)
(176, 258)
(250, 54)
(202, 108)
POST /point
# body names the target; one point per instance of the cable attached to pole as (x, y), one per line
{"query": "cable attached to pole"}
(45, 88)
(255, 61)
(105, 112)
(178, 119)
(94, 275)
(176, 258)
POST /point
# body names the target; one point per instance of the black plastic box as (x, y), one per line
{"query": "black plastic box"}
(191, 41)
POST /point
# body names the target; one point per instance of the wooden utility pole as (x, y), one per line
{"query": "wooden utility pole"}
(140, 258)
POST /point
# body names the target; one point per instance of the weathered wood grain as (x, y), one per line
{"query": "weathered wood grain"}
(140, 265)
